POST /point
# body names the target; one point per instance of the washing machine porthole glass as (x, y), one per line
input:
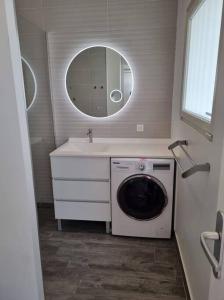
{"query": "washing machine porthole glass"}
(142, 197)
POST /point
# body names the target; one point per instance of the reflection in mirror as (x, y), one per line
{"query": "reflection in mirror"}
(29, 83)
(99, 81)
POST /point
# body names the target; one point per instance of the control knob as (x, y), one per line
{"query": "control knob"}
(141, 166)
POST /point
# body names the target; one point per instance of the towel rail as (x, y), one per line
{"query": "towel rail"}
(195, 167)
(178, 143)
(177, 160)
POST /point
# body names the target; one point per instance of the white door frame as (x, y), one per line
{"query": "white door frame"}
(217, 285)
(20, 264)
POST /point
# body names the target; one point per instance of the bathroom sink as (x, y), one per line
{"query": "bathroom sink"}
(113, 148)
(88, 148)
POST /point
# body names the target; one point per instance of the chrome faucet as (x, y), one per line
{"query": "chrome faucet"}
(90, 135)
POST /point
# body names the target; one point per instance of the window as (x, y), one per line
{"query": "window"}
(202, 48)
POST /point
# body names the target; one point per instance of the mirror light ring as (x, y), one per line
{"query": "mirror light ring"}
(65, 80)
(35, 83)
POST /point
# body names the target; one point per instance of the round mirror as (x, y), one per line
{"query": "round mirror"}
(29, 83)
(99, 81)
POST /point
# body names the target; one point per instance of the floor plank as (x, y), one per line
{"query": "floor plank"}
(84, 263)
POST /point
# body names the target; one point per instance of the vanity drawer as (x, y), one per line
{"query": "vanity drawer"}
(82, 211)
(90, 191)
(80, 168)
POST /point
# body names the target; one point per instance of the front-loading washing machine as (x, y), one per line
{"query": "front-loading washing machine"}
(142, 197)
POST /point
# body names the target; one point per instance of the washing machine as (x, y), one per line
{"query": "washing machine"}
(142, 197)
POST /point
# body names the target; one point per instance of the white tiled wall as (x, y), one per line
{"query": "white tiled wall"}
(144, 32)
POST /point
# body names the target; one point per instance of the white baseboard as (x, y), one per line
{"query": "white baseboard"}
(184, 267)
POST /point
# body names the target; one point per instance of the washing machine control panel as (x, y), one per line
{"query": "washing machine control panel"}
(135, 165)
(140, 165)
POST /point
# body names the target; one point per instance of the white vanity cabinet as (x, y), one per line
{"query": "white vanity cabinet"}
(81, 188)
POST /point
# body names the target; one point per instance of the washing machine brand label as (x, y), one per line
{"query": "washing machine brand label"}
(123, 167)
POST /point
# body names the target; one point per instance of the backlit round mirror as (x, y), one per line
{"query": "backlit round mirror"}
(29, 83)
(99, 81)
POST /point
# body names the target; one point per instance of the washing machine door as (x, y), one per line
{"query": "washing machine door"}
(142, 197)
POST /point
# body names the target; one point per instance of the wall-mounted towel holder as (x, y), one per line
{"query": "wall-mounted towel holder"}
(195, 167)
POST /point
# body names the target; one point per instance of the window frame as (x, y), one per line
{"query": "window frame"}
(200, 124)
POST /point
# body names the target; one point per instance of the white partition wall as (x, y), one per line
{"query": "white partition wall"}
(197, 196)
(20, 275)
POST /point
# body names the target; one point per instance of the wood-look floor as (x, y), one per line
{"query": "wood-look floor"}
(84, 263)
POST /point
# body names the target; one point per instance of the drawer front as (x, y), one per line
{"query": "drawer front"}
(82, 211)
(80, 168)
(81, 190)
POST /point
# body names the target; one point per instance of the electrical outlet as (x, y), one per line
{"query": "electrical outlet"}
(140, 127)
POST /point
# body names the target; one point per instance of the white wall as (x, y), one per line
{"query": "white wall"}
(33, 47)
(144, 32)
(20, 275)
(197, 196)
(132, 27)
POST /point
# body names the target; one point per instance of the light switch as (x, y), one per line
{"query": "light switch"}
(140, 127)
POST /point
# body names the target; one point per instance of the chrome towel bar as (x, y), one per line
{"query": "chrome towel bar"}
(195, 167)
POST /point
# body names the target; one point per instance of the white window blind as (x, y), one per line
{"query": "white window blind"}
(201, 59)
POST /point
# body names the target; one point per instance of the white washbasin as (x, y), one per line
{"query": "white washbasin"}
(88, 148)
(102, 147)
